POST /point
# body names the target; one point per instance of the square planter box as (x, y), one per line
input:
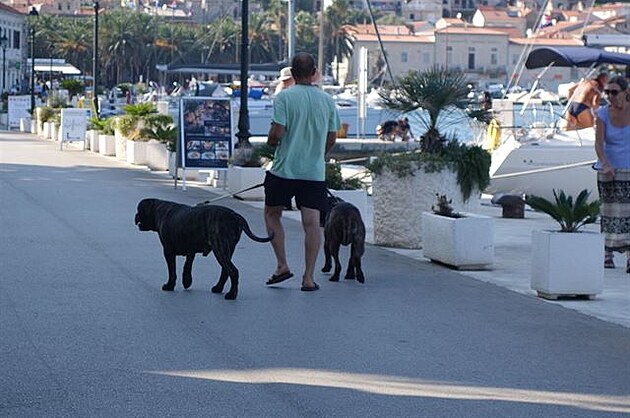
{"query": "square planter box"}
(136, 152)
(157, 155)
(466, 243)
(567, 264)
(93, 139)
(121, 146)
(239, 178)
(106, 144)
(356, 197)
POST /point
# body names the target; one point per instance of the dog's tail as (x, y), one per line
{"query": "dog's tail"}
(250, 234)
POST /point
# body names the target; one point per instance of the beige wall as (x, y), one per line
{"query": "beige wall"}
(483, 47)
(403, 57)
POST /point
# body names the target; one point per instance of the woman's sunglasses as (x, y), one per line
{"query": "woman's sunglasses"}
(612, 92)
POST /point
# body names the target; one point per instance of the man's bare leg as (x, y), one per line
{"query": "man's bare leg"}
(312, 238)
(273, 215)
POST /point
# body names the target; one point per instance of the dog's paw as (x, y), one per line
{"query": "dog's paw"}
(231, 295)
(168, 287)
(187, 282)
(360, 277)
(217, 289)
(334, 278)
(327, 268)
(349, 276)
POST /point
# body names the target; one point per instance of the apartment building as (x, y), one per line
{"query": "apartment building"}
(13, 46)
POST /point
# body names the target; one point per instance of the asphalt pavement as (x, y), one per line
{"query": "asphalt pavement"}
(85, 329)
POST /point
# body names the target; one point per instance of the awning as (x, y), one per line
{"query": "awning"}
(271, 69)
(574, 57)
(66, 69)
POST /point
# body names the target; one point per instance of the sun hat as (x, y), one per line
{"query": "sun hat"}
(285, 74)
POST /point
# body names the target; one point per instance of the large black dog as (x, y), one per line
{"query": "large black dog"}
(344, 226)
(188, 230)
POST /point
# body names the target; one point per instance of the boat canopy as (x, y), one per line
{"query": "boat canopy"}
(574, 57)
(270, 69)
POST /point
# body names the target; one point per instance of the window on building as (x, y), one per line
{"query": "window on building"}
(471, 58)
(494, 59)
(449, 55)
(16, 39)
(59, 6)
(412, 16)
(404, 57)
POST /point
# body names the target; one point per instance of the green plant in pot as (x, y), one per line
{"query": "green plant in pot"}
(335, 181)
(160, 127)
(570, 214)
(569, 261)
(259, 156)
(405, 184)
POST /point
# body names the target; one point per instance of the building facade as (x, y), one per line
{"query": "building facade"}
(13, 47)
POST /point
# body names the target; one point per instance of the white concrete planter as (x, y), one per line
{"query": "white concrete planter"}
(466, 243)
(357, 197)
(46, 131)
(93, 139)
(106, 144)
(34, 126)
(157, 155)
(399, 203)
(239, 178)
(25, 124)
(121, 145)
(567, 264)
(137, 152)
(54, 132)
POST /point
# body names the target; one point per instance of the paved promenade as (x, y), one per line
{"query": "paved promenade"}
(86, 331)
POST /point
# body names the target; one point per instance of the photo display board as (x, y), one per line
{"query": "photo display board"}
(205, 132)
(19, 108)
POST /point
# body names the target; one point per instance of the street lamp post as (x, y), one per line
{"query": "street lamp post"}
(33, 13)
(3, 43)
(243, 146)
(95, 61)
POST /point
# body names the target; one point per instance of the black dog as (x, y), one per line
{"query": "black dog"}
(188, 230)
(344, 226)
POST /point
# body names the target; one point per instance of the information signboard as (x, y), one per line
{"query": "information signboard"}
(19, 108)
(73, 124)
(206, 130)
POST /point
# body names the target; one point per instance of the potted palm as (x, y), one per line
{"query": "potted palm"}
(404, 184)
(127, 130)
(458, 239)
(162, 136)
(106, 138)
(568, 262)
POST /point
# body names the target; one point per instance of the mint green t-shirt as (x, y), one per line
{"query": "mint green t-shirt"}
(307, 114)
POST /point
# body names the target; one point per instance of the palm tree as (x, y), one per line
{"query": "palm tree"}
(306, 33)
(75, 46)
(261, 35)
(439, 92)
(340, 43)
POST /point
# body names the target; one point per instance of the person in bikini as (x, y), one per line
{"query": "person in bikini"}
(585, 97)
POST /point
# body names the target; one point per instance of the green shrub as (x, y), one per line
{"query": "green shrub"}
(470, 162)
(335, 181)
(570, 215)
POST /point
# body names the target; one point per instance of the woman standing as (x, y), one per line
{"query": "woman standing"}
(612, 145)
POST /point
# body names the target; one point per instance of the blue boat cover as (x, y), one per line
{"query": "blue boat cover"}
(578, 56)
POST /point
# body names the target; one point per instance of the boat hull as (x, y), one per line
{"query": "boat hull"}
(539, 167)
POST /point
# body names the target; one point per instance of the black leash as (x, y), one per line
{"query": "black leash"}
(234, 195)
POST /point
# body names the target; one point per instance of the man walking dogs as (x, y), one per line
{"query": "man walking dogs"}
(303, 129)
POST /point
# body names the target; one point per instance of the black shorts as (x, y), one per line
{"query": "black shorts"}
(308, 193)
